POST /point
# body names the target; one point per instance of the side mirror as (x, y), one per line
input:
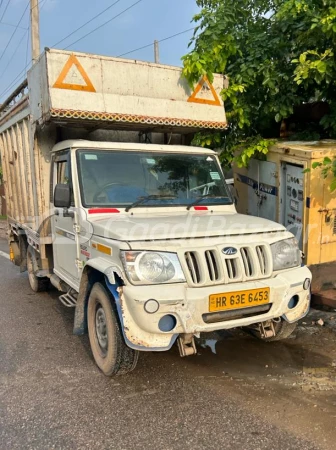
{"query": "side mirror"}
(62, 196)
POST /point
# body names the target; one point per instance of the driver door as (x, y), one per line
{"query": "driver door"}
(65, 240)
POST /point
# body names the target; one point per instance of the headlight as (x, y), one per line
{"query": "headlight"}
(152, 267)
(286, 254)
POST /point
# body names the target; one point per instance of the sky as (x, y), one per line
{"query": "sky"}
(137, 27)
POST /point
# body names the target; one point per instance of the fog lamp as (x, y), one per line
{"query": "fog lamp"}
(167, 323)
(293, 302)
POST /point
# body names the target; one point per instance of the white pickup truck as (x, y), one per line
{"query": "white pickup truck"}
(137, 230)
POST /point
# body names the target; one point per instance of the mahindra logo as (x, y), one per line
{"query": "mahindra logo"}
(229, 251)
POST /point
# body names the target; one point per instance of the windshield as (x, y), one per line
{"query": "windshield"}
(115, 178)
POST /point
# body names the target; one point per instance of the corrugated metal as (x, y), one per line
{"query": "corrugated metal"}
(3, 209)
(22, 188)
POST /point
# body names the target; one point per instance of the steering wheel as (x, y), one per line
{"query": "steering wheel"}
(103, 189)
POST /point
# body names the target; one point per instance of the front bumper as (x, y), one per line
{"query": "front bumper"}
(189, 305)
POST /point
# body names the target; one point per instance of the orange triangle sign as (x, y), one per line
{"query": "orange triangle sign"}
(205, 101)
(60, 84)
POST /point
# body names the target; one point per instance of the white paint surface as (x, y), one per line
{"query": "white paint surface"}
(5, 255)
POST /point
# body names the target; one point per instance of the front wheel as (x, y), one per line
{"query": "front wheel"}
(283, 330)
(108, 347)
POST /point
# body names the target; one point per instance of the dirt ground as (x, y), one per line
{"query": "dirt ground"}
(237, 393)
(291, 382)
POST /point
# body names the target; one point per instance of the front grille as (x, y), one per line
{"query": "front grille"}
(334, 227)
(232, 268)
(262, 257)
(211, 266)
(247, 261)
(193, 266)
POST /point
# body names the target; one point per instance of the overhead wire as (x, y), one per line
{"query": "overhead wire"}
(11, 38)
(13, 26)
(22, 73)
(151, 44)
(14, 82)
(103, 24)
(44, 3)
(5, 10)
(27, 46)
(119, 56)
(14, 53)
(86, 23)
(92, 31)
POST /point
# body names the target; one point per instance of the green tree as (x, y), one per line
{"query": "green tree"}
(276, 53)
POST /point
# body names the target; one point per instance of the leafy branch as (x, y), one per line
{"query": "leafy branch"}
(328, 169)
(277, 55)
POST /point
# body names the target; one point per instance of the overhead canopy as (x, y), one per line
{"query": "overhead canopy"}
(92, 90)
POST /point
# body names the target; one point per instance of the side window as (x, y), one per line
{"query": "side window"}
(64, 176)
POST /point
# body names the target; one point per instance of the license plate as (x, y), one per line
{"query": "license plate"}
(239, 299)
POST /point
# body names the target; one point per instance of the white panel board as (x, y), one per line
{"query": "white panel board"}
(91, 87)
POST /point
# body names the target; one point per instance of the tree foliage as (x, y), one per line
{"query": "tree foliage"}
(328, 168)
(276, 53)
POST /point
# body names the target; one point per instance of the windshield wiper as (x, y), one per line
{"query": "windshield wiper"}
(149, 197)
(202, 197)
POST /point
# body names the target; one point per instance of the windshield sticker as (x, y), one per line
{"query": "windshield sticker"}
(91, 157)
(215, 175)
(150, 161)
(210, 159)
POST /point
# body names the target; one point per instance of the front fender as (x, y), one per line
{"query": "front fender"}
(106, 267)
(114, 289)
(96, 270)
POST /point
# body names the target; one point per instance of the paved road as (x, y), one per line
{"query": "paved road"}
(249, 395)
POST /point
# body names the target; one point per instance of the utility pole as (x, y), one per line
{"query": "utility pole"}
(35, 29)
(156, 52)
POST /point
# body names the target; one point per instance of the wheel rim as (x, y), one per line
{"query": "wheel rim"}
(101, 329)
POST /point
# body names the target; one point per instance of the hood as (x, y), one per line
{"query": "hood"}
(125, 227)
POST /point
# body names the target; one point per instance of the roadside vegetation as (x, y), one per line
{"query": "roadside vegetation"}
(279, 55)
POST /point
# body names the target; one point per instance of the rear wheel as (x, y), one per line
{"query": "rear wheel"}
(37, 284)
(108, 347)
(283, 330)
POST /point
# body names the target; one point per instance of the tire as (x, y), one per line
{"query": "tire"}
(37, 284)
(108, 347)
(282, 329)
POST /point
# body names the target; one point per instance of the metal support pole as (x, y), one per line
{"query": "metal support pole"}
(156, 52)
(35, 29)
